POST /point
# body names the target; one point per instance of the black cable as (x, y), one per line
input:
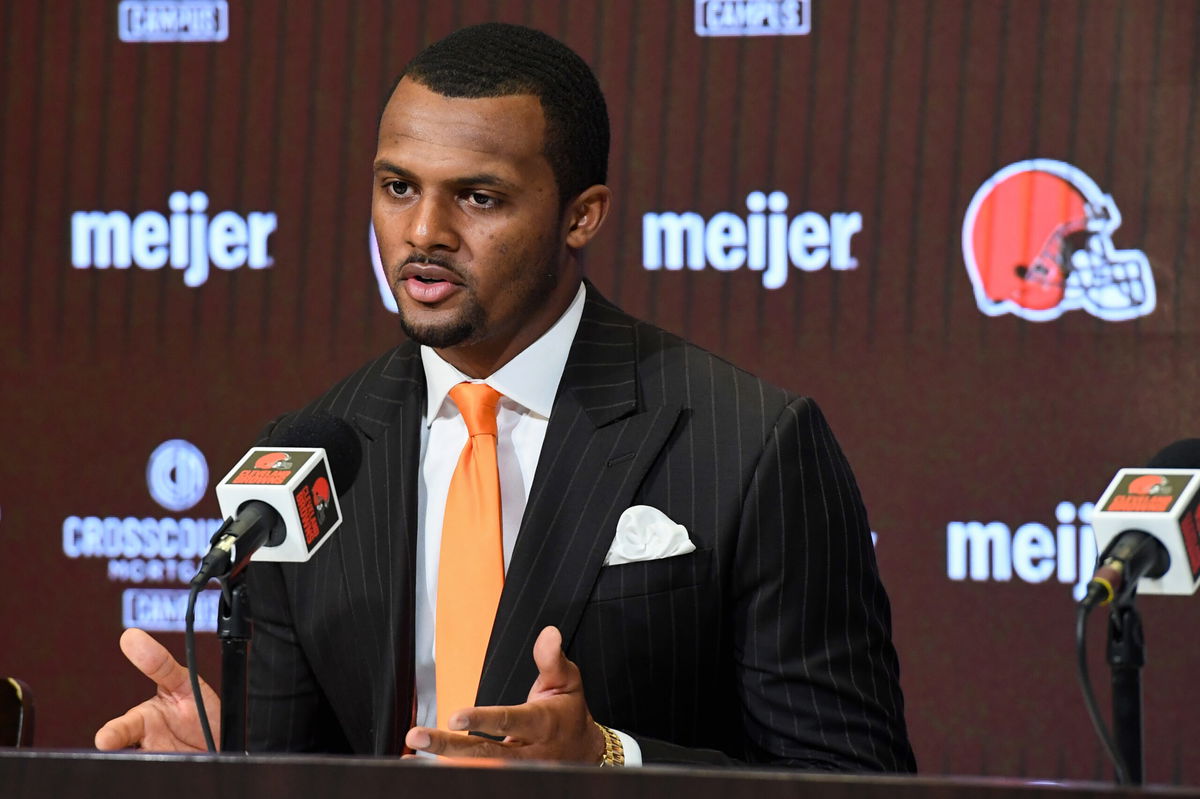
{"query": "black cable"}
(1089, 698)
(189, 642)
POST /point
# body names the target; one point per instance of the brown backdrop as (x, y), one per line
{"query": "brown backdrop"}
(897, 110)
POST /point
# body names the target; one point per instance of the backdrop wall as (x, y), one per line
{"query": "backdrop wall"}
(848, 206)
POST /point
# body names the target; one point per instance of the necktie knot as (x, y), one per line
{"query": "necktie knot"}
(477, 402)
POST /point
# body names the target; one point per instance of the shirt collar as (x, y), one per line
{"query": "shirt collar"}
(530, 379)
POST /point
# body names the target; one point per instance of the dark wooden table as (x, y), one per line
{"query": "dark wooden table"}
(26, 774)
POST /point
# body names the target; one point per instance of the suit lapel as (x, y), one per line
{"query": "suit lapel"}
(389, 414)
(599, 445)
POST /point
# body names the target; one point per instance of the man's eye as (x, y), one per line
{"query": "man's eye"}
(482, 200)
(398, 188)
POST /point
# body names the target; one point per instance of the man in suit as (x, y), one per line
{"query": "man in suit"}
(763, 636)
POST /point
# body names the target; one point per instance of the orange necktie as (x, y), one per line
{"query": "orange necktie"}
(471, 563)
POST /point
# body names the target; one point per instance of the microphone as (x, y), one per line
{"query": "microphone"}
(1147, 528)
(279, 501)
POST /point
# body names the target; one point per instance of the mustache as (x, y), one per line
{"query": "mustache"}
(432, 260)
(436, 260)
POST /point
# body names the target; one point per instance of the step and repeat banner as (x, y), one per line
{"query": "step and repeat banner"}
(965, 228)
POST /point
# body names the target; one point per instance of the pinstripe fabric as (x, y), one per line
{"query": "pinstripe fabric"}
(769, 644)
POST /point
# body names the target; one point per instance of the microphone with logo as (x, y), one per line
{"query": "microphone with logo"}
(1147, 527)
(279, 500)
(281, 504)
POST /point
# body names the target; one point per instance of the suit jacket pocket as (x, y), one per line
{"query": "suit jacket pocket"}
(653, 576)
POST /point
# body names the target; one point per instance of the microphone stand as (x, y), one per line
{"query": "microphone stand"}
(1126, 656)
(234, 627)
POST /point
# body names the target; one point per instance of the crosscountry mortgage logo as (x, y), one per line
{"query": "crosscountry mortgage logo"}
(173, 20)
(162, 610)
(177, 475)
(753, 17)
(1037, 241)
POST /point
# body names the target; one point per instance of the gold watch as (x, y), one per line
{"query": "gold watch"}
(614, 753)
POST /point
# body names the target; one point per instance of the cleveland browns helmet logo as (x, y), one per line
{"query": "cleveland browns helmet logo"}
(322, 497)
(274, 460)
(1037, 240)
(1150, 484)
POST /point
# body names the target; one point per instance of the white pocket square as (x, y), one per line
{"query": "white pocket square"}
(646, 533)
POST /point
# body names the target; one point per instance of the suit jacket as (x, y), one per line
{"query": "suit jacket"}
(769, 644)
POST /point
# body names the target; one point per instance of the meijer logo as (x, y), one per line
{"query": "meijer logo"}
(764, 242)
(753, 17)
(1033, 552)
(187, 239)
(381, 280)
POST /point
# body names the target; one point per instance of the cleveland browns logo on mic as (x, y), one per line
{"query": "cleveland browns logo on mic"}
(274, 460)
(322, 497)
(269, 467)
(1037, 241)
(1147, 493)
(316, 506)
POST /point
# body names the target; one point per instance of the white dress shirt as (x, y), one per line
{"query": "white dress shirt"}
(528, 383)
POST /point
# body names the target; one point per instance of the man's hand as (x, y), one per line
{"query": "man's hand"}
(553, 724)
(168, 722)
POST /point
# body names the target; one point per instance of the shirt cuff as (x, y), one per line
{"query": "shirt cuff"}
(633, 752)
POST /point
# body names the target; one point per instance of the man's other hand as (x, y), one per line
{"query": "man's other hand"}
(167, 722)
(553, 724)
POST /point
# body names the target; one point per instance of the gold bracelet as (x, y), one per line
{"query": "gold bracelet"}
(614, 753)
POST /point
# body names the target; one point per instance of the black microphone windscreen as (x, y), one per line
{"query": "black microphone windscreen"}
(1183, 454)
(330, 433)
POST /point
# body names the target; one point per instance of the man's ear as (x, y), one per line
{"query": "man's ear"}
(585, 214)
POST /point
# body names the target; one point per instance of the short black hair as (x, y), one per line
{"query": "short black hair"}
(498, 60)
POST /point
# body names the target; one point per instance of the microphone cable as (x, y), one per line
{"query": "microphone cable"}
(1089, 698)
(189, 645)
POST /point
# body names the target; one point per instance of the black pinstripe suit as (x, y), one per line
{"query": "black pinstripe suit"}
(769, 644)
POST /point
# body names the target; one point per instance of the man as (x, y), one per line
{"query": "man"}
(761, 636)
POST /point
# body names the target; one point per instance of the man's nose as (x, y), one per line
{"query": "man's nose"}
(431, 225)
